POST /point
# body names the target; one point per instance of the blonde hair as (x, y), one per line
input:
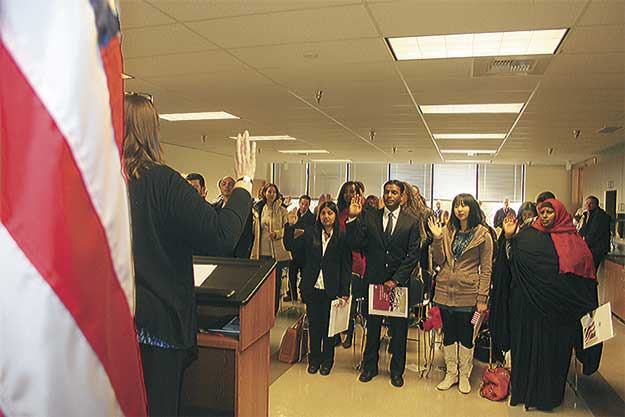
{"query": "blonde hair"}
(141, 135)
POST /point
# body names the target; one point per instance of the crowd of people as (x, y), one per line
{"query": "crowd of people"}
(533, 271)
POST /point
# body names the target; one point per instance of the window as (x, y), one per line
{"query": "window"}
(373, 176)
(497, 182)
(290, 177)
(416, 174)
(327, 177)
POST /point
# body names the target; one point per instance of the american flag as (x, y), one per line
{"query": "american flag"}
(67, 340)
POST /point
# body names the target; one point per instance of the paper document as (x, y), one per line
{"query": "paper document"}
(597, 326)
(201, 272)
(385, 302)
(339, 316)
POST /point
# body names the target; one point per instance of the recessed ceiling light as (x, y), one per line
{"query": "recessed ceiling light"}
(303, 151)
(470, 151)
(526, 42)
(471, 108)
(469, 161)
(268, 138)
(213, 115)
(126, 76)
(331, 160)
(469, 136)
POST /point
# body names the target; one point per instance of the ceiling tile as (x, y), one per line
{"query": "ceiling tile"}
(178, 64)
(160, 40)
(135, 14)
(335, 23)
(593, 39)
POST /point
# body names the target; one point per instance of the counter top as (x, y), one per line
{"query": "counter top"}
(617, 259)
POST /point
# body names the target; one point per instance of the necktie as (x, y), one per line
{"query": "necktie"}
(389, 226)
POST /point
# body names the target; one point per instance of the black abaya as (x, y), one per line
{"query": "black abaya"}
(536, 312)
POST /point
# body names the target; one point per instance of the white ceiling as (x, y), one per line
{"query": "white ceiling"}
(263, 60)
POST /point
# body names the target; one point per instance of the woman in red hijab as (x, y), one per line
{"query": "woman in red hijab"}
(545, 282)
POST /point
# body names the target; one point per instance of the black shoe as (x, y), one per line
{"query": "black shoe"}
(367, 376)
(397, 381)
(312, 369)
(325, 370)
(348, 341)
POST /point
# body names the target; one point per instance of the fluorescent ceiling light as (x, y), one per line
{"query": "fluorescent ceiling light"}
(331, 160)
(268, 138)
(469, 136)
(470, 151)
(469, 161)
(213, 115)
(471, 108)
(527, 42)
(303, 151)
(126, 76)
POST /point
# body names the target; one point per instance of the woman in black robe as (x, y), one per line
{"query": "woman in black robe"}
(545, 282)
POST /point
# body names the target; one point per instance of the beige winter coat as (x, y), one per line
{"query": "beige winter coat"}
(466, 281)
(278, 220)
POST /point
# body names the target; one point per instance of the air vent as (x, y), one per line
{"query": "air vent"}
(510, 66)
(606, 130)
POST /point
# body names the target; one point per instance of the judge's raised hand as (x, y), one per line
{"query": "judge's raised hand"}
(244, 160)
(292, 217)
(355, 206)
(287, 201)
(435, 228)
(509, 226)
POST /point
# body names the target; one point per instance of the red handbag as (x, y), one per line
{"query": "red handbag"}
(434, 320)
(495, 383)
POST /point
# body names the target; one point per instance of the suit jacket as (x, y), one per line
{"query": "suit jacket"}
(336, 263)
(305, 220)
(243, 248)
(394, 259)
(500, 215)
(596, 233)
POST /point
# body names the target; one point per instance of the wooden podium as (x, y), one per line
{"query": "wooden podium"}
(231, 375)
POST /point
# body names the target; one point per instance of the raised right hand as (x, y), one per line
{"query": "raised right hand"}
(355, 207)
(435, 228)
(509, 226)
(292, 217)
(244, 159)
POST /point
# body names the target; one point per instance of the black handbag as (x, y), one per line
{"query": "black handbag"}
(416, 287)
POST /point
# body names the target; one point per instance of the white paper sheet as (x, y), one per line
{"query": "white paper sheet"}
(597, 326)
(393, 303)
(339, 316)
(201, 272)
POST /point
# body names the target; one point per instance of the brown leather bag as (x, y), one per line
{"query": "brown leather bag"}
(291, 344)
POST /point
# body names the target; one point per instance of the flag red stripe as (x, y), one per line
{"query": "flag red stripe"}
(47, 210)
(112, 61)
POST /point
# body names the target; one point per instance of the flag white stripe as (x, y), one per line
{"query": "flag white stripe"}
(54, 42)
(47, 367)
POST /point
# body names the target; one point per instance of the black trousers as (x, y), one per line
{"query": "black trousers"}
(399, 329)
(321, 346)
(163, 370)
(295, 266)
(457, 327)
(359, 290)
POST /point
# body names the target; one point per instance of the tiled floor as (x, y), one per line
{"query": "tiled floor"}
(295, 393)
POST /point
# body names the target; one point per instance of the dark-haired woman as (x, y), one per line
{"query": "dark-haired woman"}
(552, 284)
(325, 277)
(268, 223)
(170, 221)
(464, 251)
(349, 190)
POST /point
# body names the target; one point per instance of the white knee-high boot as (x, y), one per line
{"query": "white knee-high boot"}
(465, 359)
(451, 363)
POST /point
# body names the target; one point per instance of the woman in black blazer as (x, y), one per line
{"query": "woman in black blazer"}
(325, 277)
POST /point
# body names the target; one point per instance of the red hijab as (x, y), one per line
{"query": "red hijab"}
(573, 253)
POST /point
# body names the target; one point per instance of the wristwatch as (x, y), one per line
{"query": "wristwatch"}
(245, 178)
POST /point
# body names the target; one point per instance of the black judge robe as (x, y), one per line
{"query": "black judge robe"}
(535, 314)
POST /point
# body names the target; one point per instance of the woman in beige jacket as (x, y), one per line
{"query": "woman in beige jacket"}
(464, 251)
(269, 220)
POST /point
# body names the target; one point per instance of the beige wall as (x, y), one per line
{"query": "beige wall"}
(609, 169)
(212, 166)
(552, 178)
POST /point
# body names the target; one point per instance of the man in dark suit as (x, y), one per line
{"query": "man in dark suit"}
(596, 229)
(305, 218)
(389, 239)
(502, 213)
